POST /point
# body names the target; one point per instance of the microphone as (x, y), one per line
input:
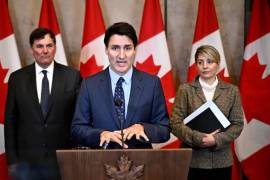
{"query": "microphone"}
(118, 102)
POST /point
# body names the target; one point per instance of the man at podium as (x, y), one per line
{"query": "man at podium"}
(120, 107)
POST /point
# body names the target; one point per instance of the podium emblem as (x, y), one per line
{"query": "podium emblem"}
(125, 170)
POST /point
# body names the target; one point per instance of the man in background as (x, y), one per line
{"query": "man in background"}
(40, 106)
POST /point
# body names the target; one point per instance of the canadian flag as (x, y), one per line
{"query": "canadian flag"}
(253, 145)
(9, 62)
(48, 20)
(153, 55)
(207, 33)
(93, 57)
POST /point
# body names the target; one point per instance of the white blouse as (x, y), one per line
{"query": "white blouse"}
(208, 90)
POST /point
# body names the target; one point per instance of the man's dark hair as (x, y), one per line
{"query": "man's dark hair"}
(123, 29)
(39, 33)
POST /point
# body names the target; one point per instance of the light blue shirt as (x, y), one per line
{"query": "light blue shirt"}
(126, 84)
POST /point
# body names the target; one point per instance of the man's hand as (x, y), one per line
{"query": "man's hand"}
(208, 140)
(137, 130)
(107, 136)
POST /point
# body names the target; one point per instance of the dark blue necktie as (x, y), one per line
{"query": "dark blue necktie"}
(45, 93)
(119, 100)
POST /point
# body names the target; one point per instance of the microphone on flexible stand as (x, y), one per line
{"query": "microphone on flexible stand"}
(118, 102)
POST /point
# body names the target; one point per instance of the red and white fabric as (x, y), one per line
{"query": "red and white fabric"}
(153, 55)
(207, 33)
(48, 20)
(9, 62)
(93, 57)
(253, 145)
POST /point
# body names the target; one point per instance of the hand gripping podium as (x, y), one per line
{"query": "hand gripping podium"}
(128, 164)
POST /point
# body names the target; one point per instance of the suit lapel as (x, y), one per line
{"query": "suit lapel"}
(31, 81)
(198, 89)
(106, 92)
(219, 89)
(58, 84)
(135, 94)
(200, 94)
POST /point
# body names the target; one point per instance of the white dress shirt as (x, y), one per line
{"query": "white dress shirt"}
(39, 77)
(126, 85)
(208, 90)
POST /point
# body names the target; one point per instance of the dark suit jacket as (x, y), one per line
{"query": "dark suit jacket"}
(29, 137)
(95, 110)
(189, 97)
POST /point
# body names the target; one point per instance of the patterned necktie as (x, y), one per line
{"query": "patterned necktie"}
(45, 93)
(119, 100)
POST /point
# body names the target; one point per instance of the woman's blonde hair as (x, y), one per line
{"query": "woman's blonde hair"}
(209, 51)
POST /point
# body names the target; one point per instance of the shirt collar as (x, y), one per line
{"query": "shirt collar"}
(127, 77)
(49, 69)
(207, 86)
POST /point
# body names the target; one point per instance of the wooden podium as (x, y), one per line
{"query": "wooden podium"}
(128, 164)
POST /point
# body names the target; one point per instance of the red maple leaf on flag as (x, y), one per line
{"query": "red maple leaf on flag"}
(224, 78)
(169, 93)
(255, 91)
(3, 91)
(90, 67)
(192, 72)
(261, 156)
(148, 66)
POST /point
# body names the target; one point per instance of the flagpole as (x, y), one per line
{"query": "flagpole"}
(247, 15)
(165, 16)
